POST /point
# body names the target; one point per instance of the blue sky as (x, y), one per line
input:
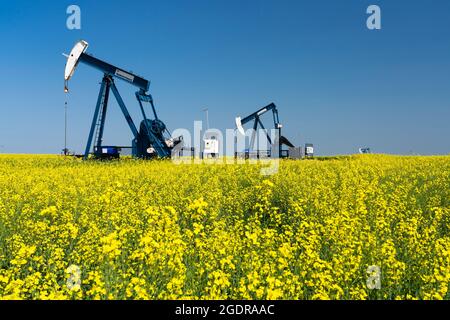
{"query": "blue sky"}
(336, 83)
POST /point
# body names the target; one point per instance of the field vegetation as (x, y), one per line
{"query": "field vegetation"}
(358, 227)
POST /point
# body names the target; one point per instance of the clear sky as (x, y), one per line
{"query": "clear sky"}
(336, 83)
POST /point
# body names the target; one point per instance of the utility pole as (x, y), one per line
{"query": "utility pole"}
(207, 128)
(65, 128)
(207, 118)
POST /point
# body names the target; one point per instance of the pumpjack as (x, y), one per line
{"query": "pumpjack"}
(256, 117)
(151, 140)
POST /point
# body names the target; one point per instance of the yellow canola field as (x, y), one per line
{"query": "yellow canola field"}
(358, 227)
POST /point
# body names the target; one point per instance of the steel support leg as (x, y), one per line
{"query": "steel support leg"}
(94, 119)
(103, 114)
(255, 127)
(124, 109)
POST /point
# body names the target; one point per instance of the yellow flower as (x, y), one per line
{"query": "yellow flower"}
(132, 229)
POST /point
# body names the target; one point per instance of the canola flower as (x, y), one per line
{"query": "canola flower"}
(156, 230)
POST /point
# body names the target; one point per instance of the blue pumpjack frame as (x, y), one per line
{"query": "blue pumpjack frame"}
(112, 72)
(256, 118)
(107, 84)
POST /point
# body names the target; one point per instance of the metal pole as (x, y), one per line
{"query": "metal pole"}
(207, 118)
(65, 128)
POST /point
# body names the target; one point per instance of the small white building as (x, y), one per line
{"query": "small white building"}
(211, 147)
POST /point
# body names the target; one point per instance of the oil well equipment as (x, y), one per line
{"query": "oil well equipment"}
(277, 144)
(151, 140)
